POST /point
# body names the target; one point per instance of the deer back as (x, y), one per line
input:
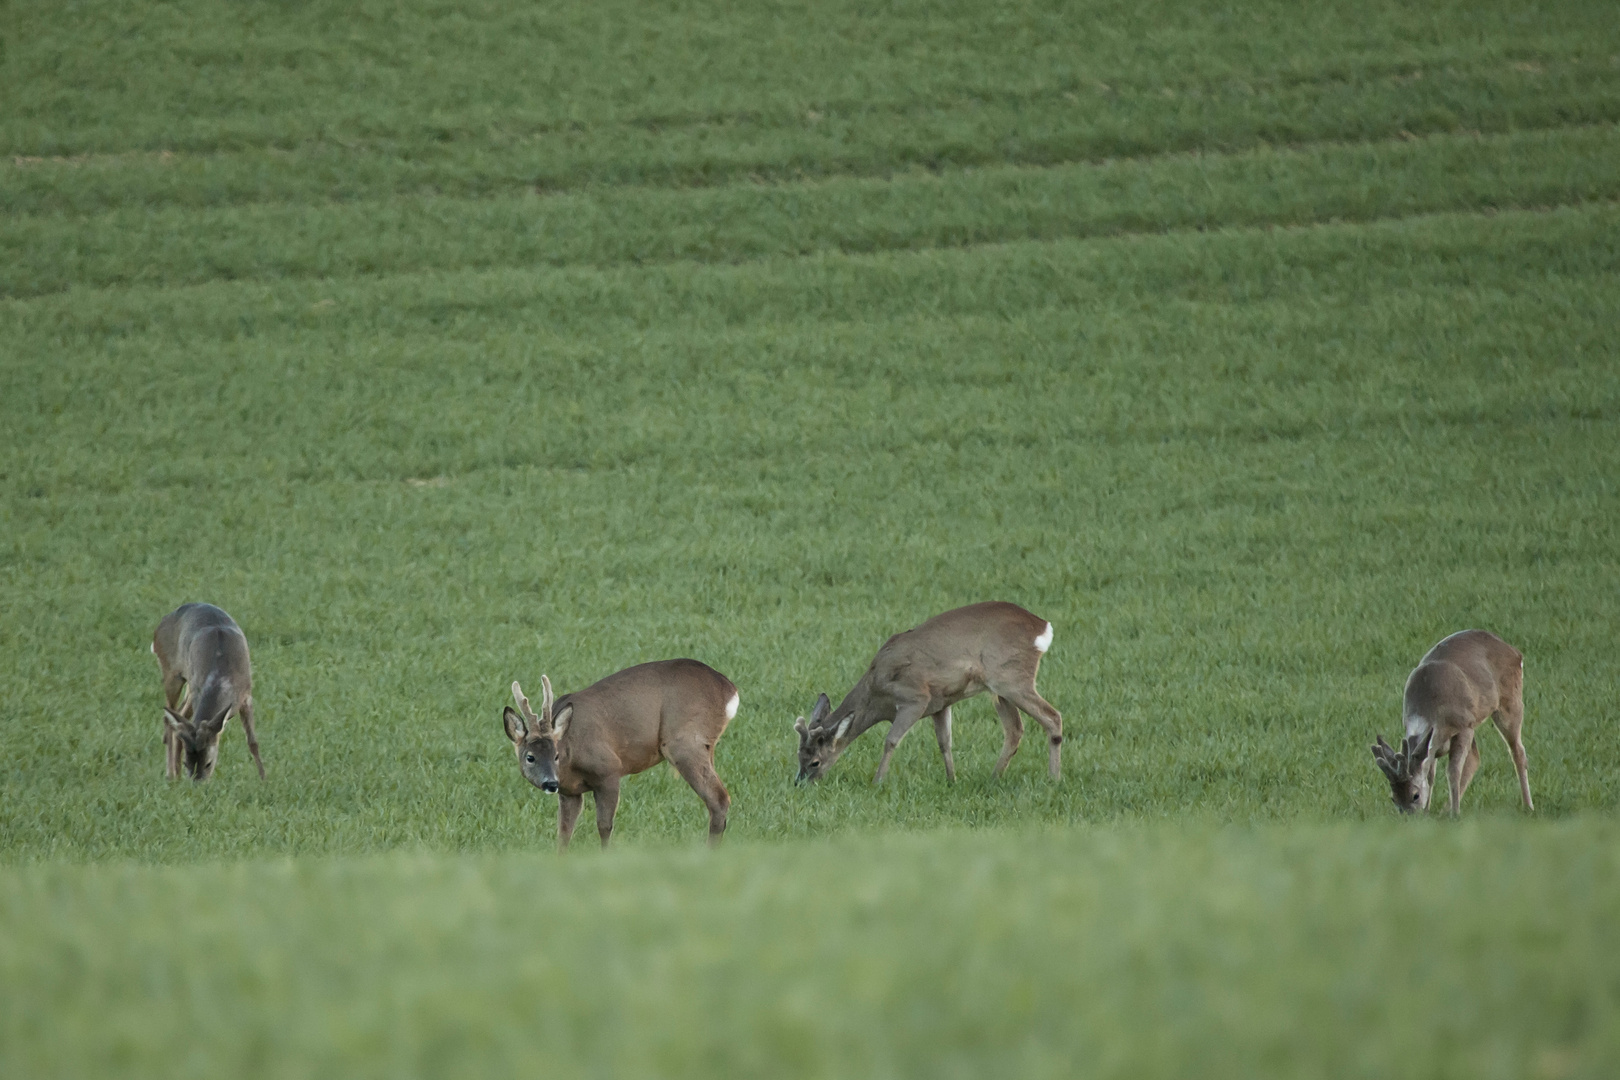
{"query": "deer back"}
(962, 652)
(624, 723)
(205, 647)
(952, 656)
(1463, 679)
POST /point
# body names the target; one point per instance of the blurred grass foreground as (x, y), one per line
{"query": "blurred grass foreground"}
(1483, 950)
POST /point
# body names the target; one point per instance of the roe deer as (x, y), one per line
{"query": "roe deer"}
(923, 672)
(630, 721)
(1470, 675)
(202, 651)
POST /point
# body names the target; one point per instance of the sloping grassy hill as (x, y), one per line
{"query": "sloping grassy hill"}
(1256, 348)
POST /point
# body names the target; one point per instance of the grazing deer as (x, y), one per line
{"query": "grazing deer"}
(923, 672)
(627, 723)
(202, 651)
(1458, 683)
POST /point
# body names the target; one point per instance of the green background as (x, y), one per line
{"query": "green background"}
(443, 344)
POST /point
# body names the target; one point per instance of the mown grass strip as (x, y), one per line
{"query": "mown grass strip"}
(1483, 949)
(741, 222)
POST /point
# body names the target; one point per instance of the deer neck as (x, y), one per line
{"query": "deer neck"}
(861, 709)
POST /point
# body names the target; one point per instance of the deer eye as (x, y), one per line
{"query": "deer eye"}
(529, 758)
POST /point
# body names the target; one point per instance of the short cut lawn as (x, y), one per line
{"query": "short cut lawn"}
(1256, 347)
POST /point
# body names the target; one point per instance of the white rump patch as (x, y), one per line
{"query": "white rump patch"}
(153, 647)
(1044, 642)
(731, 706)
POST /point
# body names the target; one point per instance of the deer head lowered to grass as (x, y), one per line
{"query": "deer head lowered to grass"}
(626, 723)
(993, 646)
(203, 653)
(1467, 677)
(1401, 767)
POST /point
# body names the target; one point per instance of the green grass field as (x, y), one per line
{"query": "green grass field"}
(1257, 348)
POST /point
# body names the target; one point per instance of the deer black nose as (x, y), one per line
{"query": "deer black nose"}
(549, 787)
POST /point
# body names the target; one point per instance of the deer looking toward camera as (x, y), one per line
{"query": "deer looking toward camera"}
(1458, 683)
(922, 672)
(203, 653)
(626, 723)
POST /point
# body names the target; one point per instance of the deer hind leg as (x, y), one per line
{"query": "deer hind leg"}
(607, 804)
(1509, 719)
(909, 713)
(1027, 699)
(1012, 727)
(252, 737)
(942, 733)
(697, 769)
(174, 684)
(568, 808)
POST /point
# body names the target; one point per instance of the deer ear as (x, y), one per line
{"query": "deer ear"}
(819, 713)
(559, 723)
(838, 736)
(514, 724)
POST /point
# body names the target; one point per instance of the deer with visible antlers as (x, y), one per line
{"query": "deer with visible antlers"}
(922, 672)
(203, 653)
(626, 723)
(1458, 683)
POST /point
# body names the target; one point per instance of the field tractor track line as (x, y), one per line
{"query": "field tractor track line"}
(741, 177)
(963, 99)
(1497, 416)
(1339, 221)
(698, 175)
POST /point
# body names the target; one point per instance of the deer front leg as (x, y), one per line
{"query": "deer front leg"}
(908, 714)
(1470, 766)
(171, 751)
(568, 808)
(1461, 746)
(942, 733)
(607, 803)
(1427, 770)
